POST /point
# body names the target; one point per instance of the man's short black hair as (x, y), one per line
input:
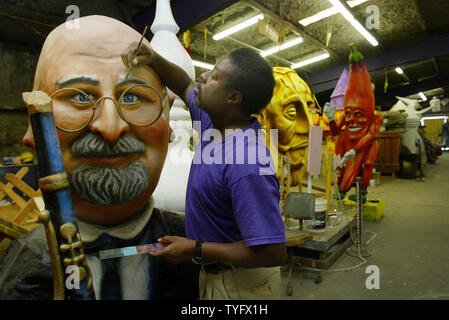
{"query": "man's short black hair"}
(253, 77)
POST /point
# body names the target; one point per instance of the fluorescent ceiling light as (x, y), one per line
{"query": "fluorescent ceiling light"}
(319, 16)
(238, 27)
(399, 70)
(286, 45)
(310, 61)
(348, 16)
(202, 64)
(328, 12)
(423, 96)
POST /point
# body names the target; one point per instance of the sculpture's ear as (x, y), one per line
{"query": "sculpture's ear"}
(171, 99)
(28, 138)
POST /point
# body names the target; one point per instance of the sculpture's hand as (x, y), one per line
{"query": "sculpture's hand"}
(347, 155)
(329, 110)
(143, 56)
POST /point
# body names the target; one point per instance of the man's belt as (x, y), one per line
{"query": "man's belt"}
(216, 268)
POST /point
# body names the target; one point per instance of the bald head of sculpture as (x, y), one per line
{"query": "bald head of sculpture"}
(113, 165)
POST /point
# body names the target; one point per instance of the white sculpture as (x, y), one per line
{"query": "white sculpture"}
(411, 137)
(170, 192)
(435, 103)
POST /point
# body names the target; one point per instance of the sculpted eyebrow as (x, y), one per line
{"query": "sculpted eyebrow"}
(77, 79)
(122, 82)
(291, 99)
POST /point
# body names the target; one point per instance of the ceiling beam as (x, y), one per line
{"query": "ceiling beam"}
(296, 28)
(421, 20)
(412, 88)
(389, 98)
(186, 13)
(405, 89)
(424, 49)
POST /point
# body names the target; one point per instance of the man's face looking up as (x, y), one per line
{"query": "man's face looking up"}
(113, 166)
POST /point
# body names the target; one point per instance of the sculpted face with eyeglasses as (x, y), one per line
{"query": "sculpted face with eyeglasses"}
(113, 133)
(113, 130)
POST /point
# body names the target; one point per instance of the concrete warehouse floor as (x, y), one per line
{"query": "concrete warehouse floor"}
(411, 248)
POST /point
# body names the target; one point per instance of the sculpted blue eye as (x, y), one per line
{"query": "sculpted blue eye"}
(81, 98)
(130, 98)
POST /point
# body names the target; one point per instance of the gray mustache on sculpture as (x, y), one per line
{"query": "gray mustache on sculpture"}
(92, 144)
(108, 186)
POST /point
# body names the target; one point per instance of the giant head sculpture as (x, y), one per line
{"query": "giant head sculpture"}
(358, 103)
(290, 113)
(113, 129)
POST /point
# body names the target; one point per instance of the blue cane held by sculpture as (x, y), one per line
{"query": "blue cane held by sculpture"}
(64, 242)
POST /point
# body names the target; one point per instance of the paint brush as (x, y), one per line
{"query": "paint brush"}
(130, 251)
(135, 53)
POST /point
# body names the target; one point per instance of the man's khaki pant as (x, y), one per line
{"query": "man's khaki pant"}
(241, 284)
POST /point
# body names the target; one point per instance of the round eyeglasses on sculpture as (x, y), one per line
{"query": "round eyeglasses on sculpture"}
(74, 110)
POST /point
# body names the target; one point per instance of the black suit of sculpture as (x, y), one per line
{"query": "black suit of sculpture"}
(25, 269)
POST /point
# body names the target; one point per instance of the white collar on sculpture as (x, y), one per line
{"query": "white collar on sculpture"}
(128, 230)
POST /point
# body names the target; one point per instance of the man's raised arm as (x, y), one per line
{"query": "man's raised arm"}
(171, 75)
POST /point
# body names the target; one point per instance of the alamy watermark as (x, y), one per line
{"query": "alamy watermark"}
(373, 280)
(373, 20)
(246, 147)
(72, 21)
(73, 280)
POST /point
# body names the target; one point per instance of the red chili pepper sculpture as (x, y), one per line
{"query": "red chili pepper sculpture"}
(357, 144)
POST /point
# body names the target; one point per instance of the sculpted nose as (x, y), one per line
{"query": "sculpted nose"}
(108, 122)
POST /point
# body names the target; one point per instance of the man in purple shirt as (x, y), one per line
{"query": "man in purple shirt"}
(233, 223)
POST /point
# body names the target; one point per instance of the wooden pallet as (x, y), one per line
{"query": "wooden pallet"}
(19, 217)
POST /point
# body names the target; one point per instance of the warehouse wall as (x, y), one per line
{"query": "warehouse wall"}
(17, 65)
(12, 128)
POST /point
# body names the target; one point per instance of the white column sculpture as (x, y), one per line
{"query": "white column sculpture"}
(170, 192)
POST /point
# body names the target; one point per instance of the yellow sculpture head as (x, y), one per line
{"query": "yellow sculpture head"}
(290, 112)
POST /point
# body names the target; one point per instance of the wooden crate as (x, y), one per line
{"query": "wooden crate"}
(20, 216)
(387, 160)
